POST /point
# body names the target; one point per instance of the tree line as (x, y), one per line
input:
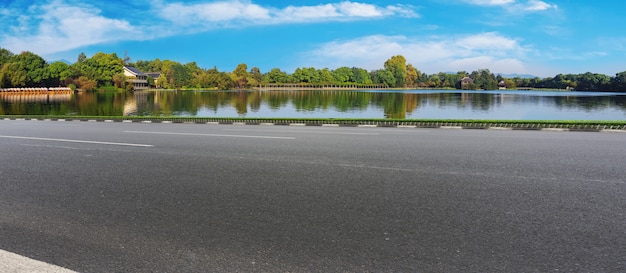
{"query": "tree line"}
(106, 72)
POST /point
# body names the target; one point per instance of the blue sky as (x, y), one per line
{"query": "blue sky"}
(541, 38)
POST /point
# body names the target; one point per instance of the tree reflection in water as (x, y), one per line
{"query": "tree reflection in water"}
(324, 104)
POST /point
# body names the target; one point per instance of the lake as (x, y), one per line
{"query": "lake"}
(431, 104)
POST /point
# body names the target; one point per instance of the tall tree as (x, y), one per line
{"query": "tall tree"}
(240, 76)
(255, 74)
(397, 66)
(619, 81)
(411, 75)
(81, 57)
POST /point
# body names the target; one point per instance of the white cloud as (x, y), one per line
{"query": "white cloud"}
(182, 14)
(429, 54)
(490, 2)
(536, 5)
(59, 27)
(487, 41)
(506, 65)
(515, 6)
(242, 12)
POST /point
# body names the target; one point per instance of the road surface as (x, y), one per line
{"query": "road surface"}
(133, 197)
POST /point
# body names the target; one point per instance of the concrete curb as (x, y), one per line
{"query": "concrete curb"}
(363, 124)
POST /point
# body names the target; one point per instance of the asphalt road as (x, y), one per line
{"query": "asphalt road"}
(132, 197)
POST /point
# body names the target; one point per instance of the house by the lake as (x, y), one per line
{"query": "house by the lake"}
(155, 77)
(465, 82)
(502, 85)
(138, 79)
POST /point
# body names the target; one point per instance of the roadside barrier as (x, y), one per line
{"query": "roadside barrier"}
(588, 126)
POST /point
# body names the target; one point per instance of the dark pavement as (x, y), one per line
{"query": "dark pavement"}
(131, 197)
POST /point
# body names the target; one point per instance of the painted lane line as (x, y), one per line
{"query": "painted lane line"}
(78, 141)
(211, 135)
(11, 262)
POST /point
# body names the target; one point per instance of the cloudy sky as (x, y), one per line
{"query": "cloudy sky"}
(541, 38)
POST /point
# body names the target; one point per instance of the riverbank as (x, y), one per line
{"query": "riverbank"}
(554, 125)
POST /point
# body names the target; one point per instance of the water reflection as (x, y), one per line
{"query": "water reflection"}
(35, 97)
(327, 104)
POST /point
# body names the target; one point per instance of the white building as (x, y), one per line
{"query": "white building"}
(138, 79)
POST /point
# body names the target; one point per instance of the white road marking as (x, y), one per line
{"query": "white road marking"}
(78, 141)
(11, 262)
(52, 146)
(211, 135)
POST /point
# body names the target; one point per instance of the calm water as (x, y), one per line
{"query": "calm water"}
(532, 105)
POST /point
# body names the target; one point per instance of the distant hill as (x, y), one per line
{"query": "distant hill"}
(510, 76)
(62, 60)
(522, 76)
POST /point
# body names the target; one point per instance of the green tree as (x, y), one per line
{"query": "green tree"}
(343, 74)
(5, 56)
(240, 76)
(85, 83)
(593, 82)
(361, 76)
(161, 82)
(120, 80)
(57, 73)
(276, 76)
(23, 70)
(13, 75)
(326, 76)
(255, 74)
(176, 75)
(397, 66)
(509, 83)
(434, 81)
(148, 66)
(306, 75)
(411, 75)
(81, 57)
(484, 79)
(618, 83)
(383, 76)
